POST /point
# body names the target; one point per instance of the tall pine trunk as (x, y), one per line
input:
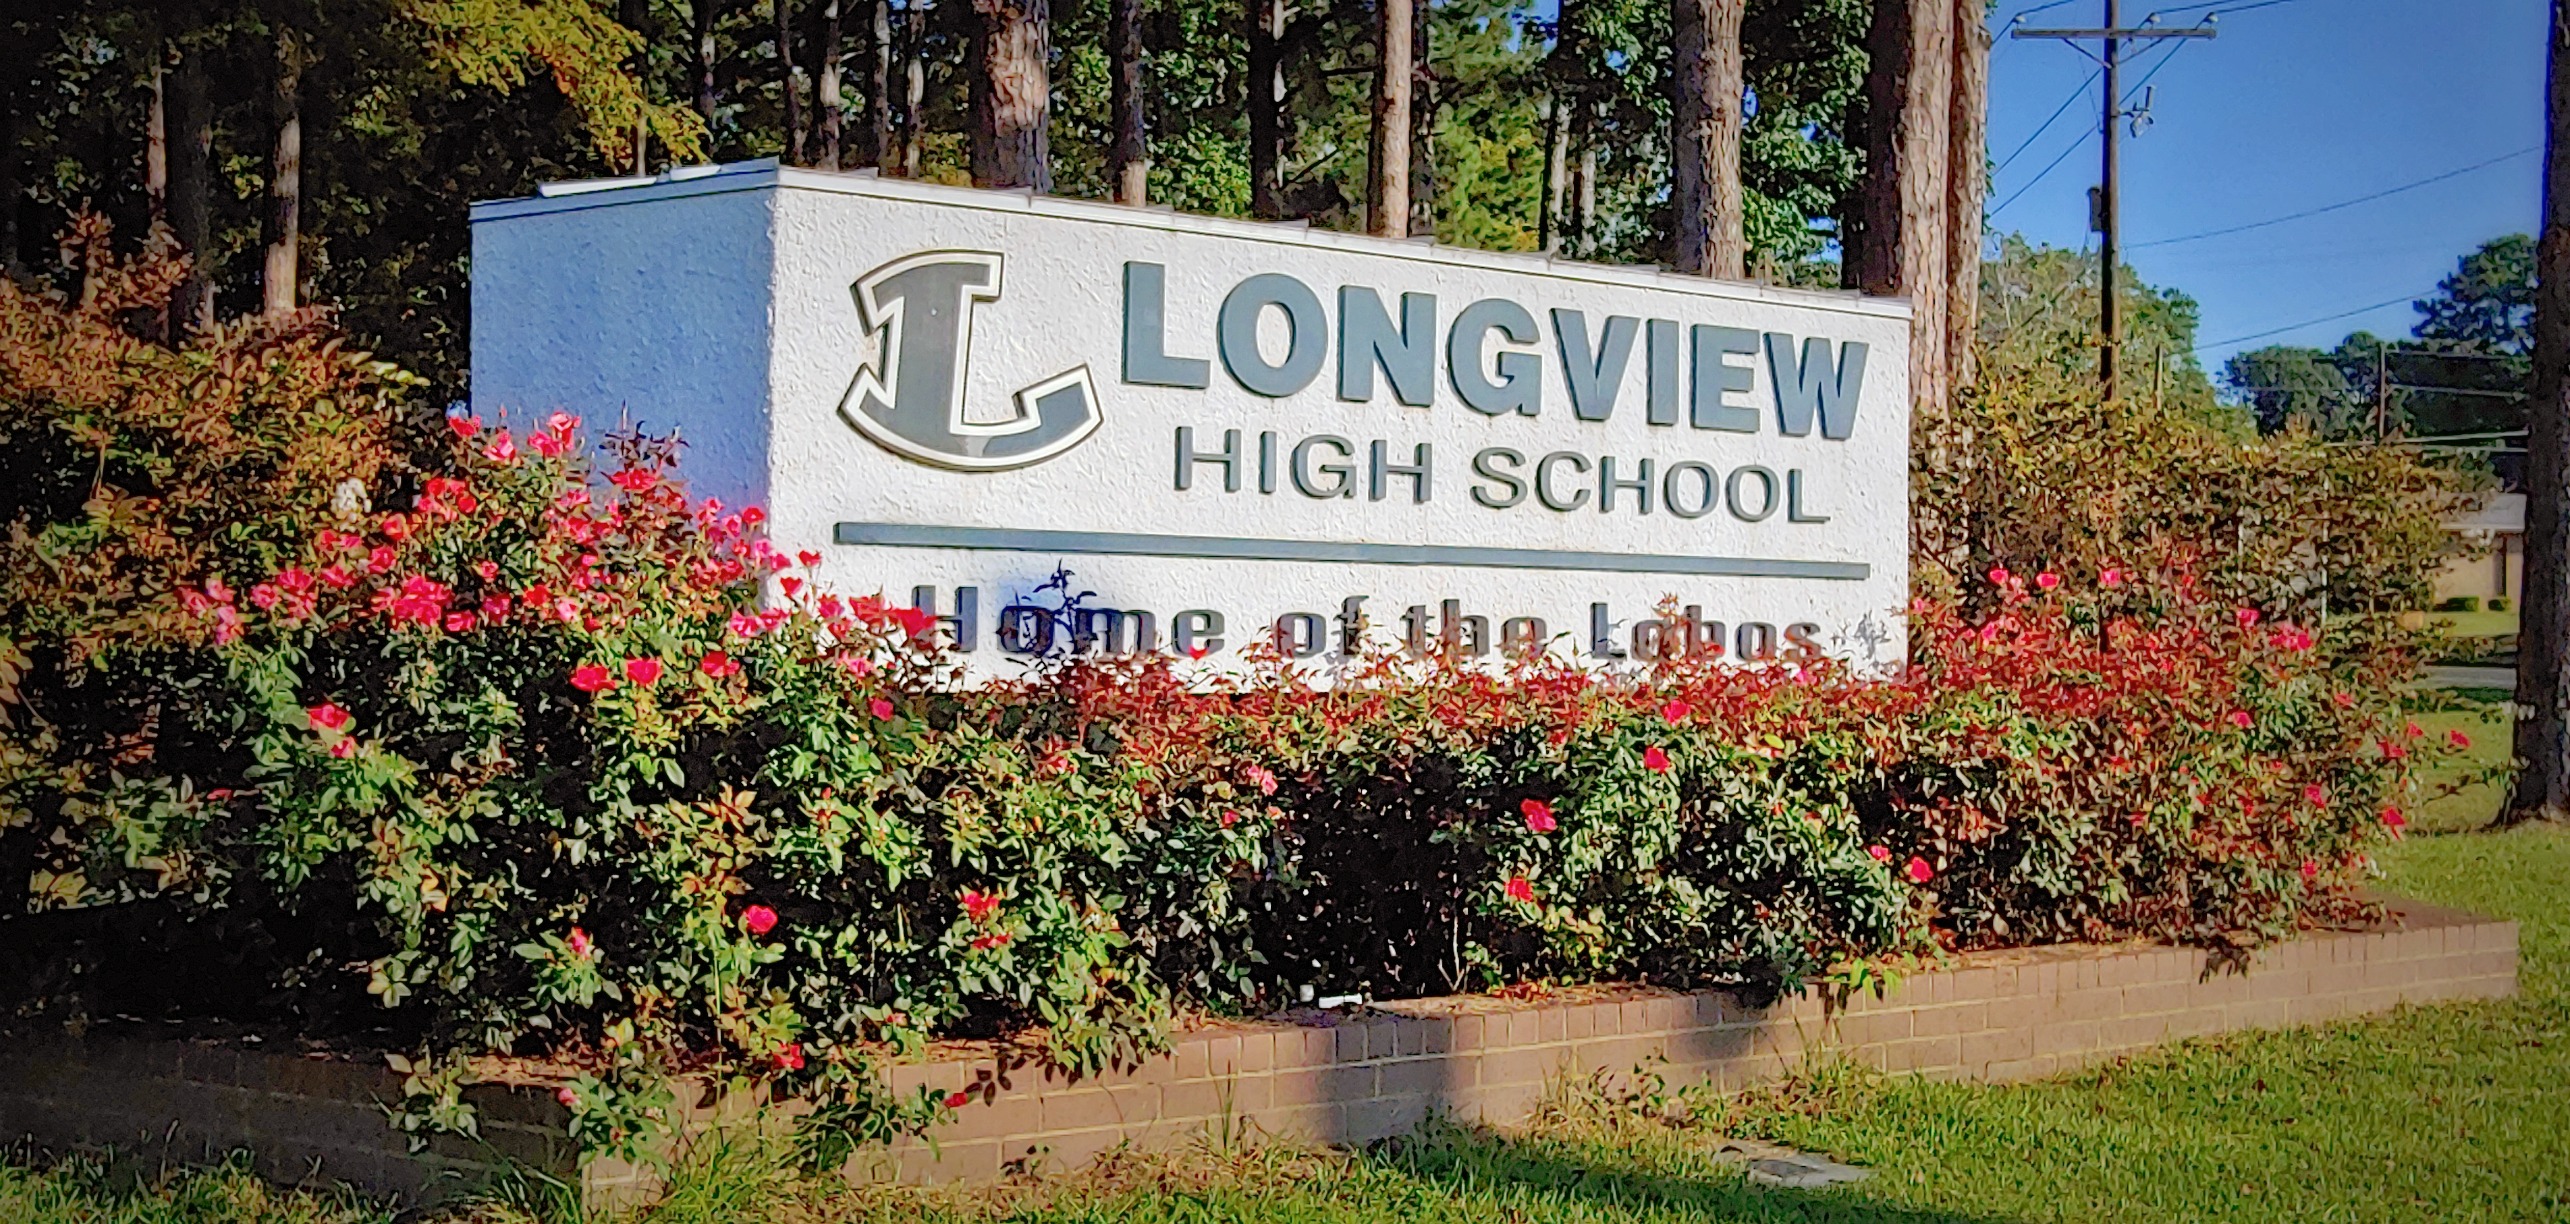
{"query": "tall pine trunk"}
(703, 13)
(635, 15)
(156, 144)
(1901, 238)
(1389, 201)
(787, 99)
(1129, 161)
(2543, 669)
(879, 76)
(1423, 124)
(1968, 182)
(1704, 138)
(191, 120)
(1012, 95)
(826, 99)
(1266, 106)
(914, 83)
(285, 180)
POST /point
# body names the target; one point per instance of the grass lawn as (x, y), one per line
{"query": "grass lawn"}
(2452, 1113)
(2478, 624)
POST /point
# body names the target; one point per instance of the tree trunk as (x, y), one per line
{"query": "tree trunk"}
(1968, 182)
(1901, 242)
(156, 146)
(191, 186)
(914, 83)
(1548, 208)
(1012, 95)
(1423, 123)
(1129, 162)
(635, 15)
(1389, 201)
(1266, 105)
(878, 152)
(2543, 668)
(285, 179)
(703, 12)
(1704, 138)
(787, 99)
(826, 99)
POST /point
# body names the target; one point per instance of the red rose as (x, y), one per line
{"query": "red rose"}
(2393, 820)
(344, 749)
(1539, 815)
(1521, 890)
(464, 426)
(879, 707)
(759, 919)
(791, 1057)
(1676, 712)
(2241, 719)
(2315, 794)
(591, 678)
(2048, 580)
(327, 717)
(569, 1099)
(2248, 617)
(718, 665)
(979, 905)
(957, 1100)
(579, 942)
(915, 621)
(2310, 869)
(644, 671)
(1655, 760)
(1882, 854)
(2111, 578)
(2458, 739)
(1919, 871)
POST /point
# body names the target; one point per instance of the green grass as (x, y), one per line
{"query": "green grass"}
(2478, 624)
(2450, 1113)
(2465, 793)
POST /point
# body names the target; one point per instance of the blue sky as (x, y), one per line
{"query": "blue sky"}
(2299, 104)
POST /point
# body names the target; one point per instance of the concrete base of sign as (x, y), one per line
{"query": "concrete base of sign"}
(1310, 1077)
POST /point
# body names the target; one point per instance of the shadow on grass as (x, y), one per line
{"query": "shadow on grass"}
(1605, 1175)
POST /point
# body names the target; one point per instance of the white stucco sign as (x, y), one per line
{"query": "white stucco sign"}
(1226, 433)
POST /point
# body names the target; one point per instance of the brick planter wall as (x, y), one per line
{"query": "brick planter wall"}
(1318, 1078)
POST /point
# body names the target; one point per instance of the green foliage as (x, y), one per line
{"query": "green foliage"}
(2039, 321)
(2173, 484)
(2487, 305)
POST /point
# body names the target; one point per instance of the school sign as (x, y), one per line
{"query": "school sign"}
(1226, 433)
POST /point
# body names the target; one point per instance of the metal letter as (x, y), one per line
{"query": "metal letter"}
(1607, 484)
(1713, 378)
(1669, 489)
(1302, 467)
(910, 399)
(1481, 466)
(1596, 378)
(1520, 384)
(1382, 470)
(1146, 325)
(1813, 386)
(1366, 339)
(1767, 499)
(1794, 499)
(1189, 457)
(1306, 335)
(1662, 405)
(1196, 629)
(1544, 480)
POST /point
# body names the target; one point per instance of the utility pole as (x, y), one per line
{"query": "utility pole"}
(2114, 35)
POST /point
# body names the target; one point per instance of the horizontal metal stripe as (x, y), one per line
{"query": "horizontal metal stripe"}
(1220, 548)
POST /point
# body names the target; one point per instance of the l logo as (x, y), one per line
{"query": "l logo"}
(910, 399)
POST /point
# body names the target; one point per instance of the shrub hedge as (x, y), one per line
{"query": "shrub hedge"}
(483, 750)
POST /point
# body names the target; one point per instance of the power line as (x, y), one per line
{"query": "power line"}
(2330, 208)
(2082, 142)
(2058, 112)
(2277, 331)
(2055, 164)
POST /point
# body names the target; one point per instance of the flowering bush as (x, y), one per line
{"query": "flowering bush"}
(508, 755)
